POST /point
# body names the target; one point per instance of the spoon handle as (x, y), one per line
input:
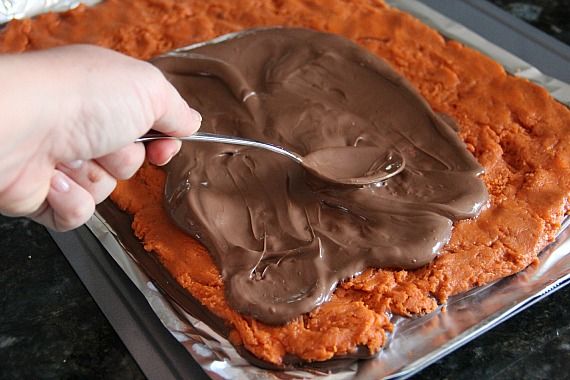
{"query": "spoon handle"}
(211, 137)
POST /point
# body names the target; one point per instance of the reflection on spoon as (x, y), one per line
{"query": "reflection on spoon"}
(352, 165)
(347, 165)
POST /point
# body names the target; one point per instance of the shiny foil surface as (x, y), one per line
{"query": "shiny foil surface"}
(18, 9)
(416, 342)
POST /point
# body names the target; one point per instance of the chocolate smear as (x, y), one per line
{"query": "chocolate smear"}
(281, 238)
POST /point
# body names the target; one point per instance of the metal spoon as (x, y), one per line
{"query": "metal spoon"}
(357, 166)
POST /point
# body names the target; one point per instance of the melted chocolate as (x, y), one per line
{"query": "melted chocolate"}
(281, 238)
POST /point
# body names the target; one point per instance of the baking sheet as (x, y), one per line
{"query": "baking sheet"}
(416, 342)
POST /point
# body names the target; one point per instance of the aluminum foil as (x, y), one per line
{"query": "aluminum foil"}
(416, 342)
(18, 9)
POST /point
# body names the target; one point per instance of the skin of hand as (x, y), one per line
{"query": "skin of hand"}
(69, 119)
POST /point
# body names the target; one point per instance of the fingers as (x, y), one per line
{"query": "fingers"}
(92, 177)
(77, 186)
(67, 206)
(124, 162)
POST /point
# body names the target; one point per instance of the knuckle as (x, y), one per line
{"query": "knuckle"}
(75, 216)
(154, 80)
(129, 164)
(95, 175)
(22, 202)
(104, 189)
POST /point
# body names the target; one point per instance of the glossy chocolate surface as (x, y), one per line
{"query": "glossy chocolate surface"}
(282, 238)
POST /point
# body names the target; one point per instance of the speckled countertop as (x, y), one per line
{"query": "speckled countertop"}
(51, 328)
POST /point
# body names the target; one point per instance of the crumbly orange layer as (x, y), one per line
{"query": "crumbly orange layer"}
(514, 128)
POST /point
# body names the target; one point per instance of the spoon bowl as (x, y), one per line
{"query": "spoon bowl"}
(347, 165)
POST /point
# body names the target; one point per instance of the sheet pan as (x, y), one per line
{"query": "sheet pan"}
(416, 342)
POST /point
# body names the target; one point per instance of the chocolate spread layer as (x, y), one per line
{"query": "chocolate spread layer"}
(281, 237)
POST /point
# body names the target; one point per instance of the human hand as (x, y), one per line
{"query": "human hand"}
(69, 119)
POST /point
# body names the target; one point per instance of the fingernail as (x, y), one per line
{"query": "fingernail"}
(74, 164)
(60, 183)
(173, 153)
(178, 144)
(195, 115)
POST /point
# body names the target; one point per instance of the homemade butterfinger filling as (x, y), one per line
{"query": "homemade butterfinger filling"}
(514, 129)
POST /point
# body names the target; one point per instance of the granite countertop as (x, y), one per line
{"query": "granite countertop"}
(50, 327)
